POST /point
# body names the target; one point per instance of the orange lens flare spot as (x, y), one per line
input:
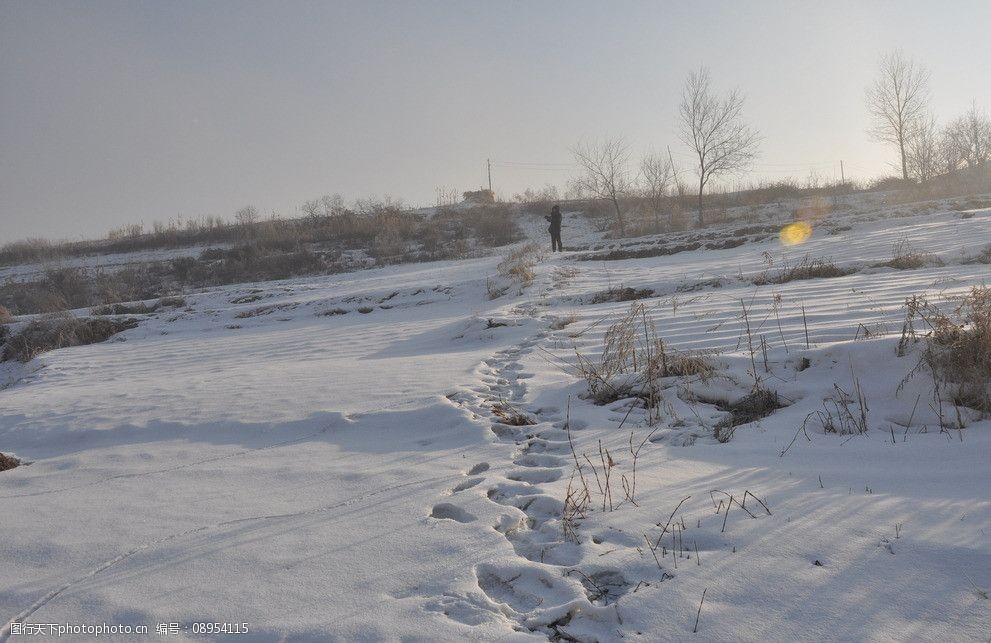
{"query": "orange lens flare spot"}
(795, 233)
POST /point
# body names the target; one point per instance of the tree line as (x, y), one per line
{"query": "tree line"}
(713, 128)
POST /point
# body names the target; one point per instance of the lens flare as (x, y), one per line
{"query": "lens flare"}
(795, 233)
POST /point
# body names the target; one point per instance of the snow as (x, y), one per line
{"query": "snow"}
(321, 459)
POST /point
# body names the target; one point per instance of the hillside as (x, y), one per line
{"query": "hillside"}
(567, 446)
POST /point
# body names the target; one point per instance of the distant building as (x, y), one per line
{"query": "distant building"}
(479, 197)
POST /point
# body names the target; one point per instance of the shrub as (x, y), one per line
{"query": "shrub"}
(60, 331)
(5, 316)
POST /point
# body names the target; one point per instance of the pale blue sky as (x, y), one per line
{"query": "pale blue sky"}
(117, 112)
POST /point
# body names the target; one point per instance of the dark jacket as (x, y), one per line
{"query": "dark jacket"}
(555, 220)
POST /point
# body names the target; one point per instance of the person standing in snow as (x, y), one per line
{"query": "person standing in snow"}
(555, 228)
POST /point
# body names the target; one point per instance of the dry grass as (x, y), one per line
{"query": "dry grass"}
(560, 323)
(60, 331)
(173, 301)
(5, 316)
(633, 361)
(139, 307)
(8, 462)
(508, 414)
(622, 293)
(757, 404)
(697, 364)
(807, 268)
(130, 308)
(958, 346)
(516, 268)
(518, 264)
(904, 256)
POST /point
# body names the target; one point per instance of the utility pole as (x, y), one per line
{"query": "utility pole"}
(488, 164)
(842, 177)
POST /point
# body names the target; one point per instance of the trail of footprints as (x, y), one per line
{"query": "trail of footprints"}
(541, 591)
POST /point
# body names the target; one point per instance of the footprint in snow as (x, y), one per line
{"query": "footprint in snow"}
(478, 468)
(535, 475)
(467, 484)
(447, 511)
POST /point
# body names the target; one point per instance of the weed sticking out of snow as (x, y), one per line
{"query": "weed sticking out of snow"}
(508, 414)
(515, 270)
(957, 346)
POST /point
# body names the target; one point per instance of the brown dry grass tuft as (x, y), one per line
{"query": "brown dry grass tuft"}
(958, 346)
(507, 414)
(807, 268)
(623, 293)
(8, 462)
(757, 404)
(60, 331)
(517, 267)
(905, 256)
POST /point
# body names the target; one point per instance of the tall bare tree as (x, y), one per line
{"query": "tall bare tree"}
(969, 137)
(604, 173)
(924, 153)
(898, 100)
(713, 128)
(656, 177)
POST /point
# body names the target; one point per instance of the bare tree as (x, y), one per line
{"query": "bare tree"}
(656, 176)
(713, 128)
(246, 216)
(897, 101)
(923, 153)
(968, 138)
(312, 209)
(604, 173)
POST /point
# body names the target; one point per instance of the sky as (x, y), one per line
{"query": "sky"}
(131, 112)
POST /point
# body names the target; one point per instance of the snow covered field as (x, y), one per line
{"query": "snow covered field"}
(386, 455)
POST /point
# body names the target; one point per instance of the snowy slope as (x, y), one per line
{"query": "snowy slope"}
(321, 459)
